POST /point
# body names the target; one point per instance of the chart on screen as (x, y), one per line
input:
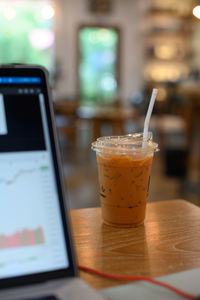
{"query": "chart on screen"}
(26, 189)
(29, 219)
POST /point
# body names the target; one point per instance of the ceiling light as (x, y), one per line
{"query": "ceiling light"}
(196, 11)
(48, 12)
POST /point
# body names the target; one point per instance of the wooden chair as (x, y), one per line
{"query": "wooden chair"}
(66, 119)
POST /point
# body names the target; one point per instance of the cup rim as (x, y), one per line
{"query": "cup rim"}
(129, 143)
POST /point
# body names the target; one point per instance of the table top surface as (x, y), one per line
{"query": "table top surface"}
(102, 112)
(107, 113)
(169, 242)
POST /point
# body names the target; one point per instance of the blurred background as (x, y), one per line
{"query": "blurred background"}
(104, 57)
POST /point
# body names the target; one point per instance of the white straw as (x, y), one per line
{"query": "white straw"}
(148, 116)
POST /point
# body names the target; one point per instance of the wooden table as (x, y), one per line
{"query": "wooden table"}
(115, 116)
(169, 242)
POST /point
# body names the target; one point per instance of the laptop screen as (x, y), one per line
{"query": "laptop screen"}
(32, 238)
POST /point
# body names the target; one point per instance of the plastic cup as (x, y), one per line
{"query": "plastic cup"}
(124, 167)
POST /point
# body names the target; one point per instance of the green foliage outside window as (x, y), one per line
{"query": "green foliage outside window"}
(97, 67)
(18, 20)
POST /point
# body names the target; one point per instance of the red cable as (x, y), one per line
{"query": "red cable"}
(122, 277)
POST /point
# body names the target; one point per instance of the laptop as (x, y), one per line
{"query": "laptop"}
(36, 251)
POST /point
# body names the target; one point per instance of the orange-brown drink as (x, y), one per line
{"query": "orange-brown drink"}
(124, 167)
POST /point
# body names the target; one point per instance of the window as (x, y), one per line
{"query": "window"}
(27, 34)
(98, 64)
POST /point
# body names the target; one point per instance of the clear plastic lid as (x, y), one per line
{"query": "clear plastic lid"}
(125, 143)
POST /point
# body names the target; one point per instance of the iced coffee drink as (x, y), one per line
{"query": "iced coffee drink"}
(124, 167)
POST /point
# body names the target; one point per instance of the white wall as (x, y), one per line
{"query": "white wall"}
(126, 14)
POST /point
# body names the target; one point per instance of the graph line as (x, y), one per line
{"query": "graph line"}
(16, 176)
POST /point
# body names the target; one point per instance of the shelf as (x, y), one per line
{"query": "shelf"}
(167, 35)
(169, 13)
(168, 52)
(184, 59)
